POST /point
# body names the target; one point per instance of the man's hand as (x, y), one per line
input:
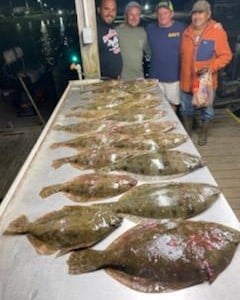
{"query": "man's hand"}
(202, 71)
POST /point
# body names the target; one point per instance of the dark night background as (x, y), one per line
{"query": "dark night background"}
(178, 4)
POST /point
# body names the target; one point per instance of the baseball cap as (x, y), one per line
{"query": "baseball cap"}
(166, 4)
(201, 6)
(132, 4)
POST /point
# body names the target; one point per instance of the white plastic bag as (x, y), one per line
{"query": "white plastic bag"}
(203, 91)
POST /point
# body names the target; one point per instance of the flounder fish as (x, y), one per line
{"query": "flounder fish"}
(94, 158)
(147, 127)
(173, 163)
(137, 115)
(153, 142)
(92, 114)
(155, 257)
(165, 200)
(83, 127)
(69, 228)
(90, 140)
(90, 187)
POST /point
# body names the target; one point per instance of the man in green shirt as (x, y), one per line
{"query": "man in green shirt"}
(133, 42)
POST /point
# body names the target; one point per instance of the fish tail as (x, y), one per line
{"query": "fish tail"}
(18, 226)
(50, 190)
(57, 127)
(57, 163)
(85, 261)
(56, 145)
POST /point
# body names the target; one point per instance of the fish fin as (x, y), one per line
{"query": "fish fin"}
(57, 127)
(57, 163)
(76, 247)
(56, 145)
(18, 226)
(145, 285)
(50, 190)
(40, 246)
(84, 261)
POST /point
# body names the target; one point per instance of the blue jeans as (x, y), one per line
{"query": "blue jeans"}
(187, 109)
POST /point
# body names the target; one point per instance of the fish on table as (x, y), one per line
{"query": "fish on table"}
(137, 115)
(81, 128)
(95, 158)
(165, 200)
(90, 140)
(70, 228)
(160, 257)
(92, 114)
(170, 163)
(91, 187)
(147, 127)
(152, 142)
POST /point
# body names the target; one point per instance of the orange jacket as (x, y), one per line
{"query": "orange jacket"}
(211, 51)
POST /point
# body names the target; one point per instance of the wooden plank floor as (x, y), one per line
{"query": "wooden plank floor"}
(15, 146)
(222, 155)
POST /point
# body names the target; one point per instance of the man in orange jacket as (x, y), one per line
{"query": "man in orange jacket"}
(204, 48)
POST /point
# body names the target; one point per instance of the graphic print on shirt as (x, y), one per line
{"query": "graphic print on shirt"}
(111, 41)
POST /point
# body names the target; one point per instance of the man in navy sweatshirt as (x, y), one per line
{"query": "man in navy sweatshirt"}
(164, 37)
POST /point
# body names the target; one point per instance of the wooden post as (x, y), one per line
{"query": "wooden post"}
(86, 18)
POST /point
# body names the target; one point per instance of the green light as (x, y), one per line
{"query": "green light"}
(74, 58)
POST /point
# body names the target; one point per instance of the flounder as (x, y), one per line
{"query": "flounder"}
(81, 128)
(167, 163)
(92, 114)
(90, 140)
(151, 142)
(147, 127)
(69, 228)
(95, 158)
(155, 257)
(90, 187)
(165, 200)
(137, 115)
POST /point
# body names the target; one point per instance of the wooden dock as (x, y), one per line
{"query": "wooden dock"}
(222, 155)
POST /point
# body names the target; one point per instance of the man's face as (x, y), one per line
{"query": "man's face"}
(133, 16)
(164, 16)
(200, 19)
(108, 11)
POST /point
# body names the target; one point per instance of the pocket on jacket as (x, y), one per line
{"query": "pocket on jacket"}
(205, 50)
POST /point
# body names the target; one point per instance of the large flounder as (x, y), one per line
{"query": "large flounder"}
(95, 158)
(156, 142)
(110, 133)
(167, 163)
(90, 140)
(91, 187)
(165, 200)
(154, 257)
(72, 227)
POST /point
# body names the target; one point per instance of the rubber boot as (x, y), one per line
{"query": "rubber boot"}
(203, 133)
(188, 124)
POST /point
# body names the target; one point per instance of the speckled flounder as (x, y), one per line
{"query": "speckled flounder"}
(147, 127)
(72, 227)
(95, 158)
(168, 163)
(165, 200)
(154, 257)
(92, 114)
(90, 187)
(90, 140)
(155, 142)
(137, 115)
(81, 128)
